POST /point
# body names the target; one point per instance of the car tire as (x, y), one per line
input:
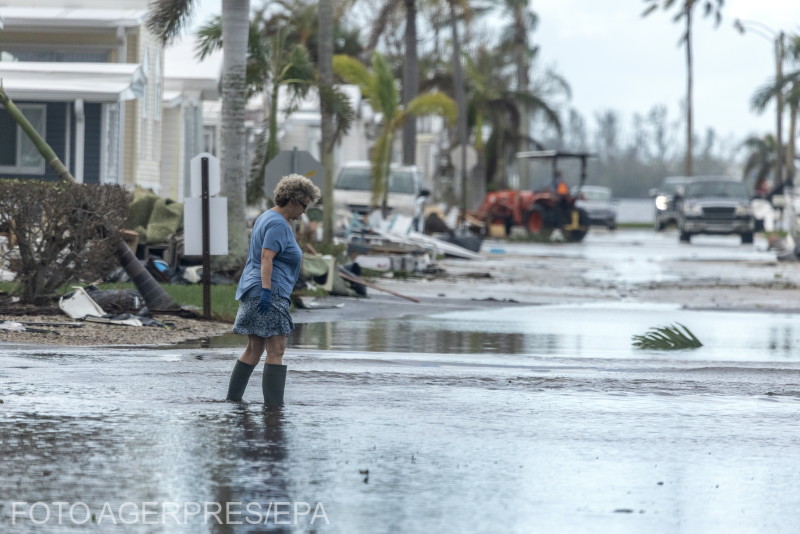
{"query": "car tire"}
(660, 226)
(685, 237)
(747, 238)
(612, 225)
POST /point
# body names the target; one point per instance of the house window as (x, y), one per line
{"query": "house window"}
(18, 154)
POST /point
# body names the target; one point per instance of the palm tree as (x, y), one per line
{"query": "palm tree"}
(280, 54)
(166, 20)
(760, 162)
(461, 103)
(272, 63)
(493, 102)
(522, 23)
(685, 13)
(379, 87)
(790, 89)
(410, 83)
(325, 67)
(793, 101)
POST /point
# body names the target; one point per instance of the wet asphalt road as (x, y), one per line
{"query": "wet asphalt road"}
(533, 417)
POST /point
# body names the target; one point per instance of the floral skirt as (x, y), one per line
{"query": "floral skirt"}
(277, 322)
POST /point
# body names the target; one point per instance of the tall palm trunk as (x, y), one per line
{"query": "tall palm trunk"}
(325, 58)
(523, 81)
(461, 104)
(791, 143)
(235, 25)
(410, 82)
(272, 143)
(153, 294)
(689, 165)
(385, 162)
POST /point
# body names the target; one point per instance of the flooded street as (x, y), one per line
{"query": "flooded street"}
(533, 415)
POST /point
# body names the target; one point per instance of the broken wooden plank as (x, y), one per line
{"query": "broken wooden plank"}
(347, 275)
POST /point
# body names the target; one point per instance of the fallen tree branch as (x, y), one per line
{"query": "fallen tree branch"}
(347, 275)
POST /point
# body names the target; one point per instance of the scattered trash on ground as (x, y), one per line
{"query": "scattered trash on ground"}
(310, 303)
(12, 326)
(80, 304)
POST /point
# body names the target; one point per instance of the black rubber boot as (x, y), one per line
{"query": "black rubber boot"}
(273, 382)
(239, 377)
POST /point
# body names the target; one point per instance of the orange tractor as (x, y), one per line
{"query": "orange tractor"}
(540, 212)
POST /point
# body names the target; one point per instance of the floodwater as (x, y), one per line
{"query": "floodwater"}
(520, 419)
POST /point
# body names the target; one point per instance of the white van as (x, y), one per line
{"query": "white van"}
(352, 191)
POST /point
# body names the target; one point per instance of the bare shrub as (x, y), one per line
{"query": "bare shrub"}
(64, 232)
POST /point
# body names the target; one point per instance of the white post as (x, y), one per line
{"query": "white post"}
(80, 134)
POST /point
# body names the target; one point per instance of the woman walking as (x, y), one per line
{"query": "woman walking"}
(270, 273)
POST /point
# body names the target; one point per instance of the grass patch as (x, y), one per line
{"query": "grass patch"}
(223, 303)
(635, 225)
(541, 237)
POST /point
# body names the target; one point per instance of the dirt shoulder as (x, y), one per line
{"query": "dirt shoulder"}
(44, 330)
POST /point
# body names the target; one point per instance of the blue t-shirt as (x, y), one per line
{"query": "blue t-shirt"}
(271, 231)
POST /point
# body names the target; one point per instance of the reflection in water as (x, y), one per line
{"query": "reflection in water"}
(183, 465)
(601, 330)
(781, 340)
(413, 336)
(258, 477)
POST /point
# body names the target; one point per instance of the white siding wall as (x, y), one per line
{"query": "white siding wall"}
(148, 131)
(171, 156)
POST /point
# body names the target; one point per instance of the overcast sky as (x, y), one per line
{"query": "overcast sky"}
(615, 59)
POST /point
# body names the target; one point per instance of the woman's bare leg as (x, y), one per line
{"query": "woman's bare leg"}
(254, 349)
(276, 346)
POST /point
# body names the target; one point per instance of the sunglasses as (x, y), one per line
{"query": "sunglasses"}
(305, 206)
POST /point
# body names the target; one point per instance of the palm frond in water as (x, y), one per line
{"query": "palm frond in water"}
(667, 338)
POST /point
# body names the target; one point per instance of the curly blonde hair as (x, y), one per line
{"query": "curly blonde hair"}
(297, 187)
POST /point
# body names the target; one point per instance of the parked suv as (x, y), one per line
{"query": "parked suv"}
(715, 205)
(664, 200)
(352, 191)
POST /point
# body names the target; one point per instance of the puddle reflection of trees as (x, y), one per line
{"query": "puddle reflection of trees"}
(419, 337)
(782, 340)
(258, 477)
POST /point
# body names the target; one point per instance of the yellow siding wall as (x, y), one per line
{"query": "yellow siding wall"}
(143, 127)
(171, 157)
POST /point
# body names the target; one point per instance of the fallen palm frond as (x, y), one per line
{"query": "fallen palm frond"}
(667, 338)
